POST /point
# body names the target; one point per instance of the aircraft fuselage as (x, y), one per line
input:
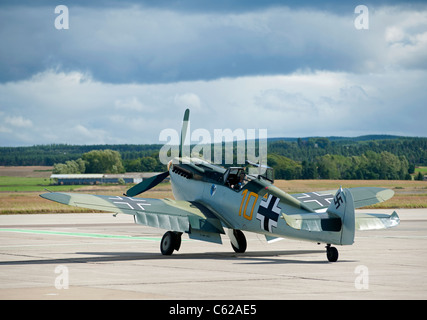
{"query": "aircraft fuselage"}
(256, 206)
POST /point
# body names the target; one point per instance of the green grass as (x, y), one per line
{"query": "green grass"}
(23, 184)
(421, 169)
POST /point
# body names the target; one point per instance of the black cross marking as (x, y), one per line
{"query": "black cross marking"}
(268, 213)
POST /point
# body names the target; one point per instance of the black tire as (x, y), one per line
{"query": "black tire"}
(332, 254)
(168, 243)
(241, 240)
(177, 240)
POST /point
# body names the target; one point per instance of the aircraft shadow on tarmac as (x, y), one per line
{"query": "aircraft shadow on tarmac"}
(255, 257)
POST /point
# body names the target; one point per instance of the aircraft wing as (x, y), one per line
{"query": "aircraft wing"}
(319, 201)
(181, 216)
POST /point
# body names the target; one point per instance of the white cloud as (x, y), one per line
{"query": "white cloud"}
(132, 43)
(18, 122)
(83, 135)
(5, 129)
(299, 104)
(394, 34)
(130, 104)
(188, 100)
(406, 38)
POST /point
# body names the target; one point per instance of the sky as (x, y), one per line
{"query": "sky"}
(123, 71)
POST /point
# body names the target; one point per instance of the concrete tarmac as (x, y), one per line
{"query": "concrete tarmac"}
(98, 256)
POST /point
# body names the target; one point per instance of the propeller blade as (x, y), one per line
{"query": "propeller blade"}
(146, 184)
(184, 129)
(154, 181)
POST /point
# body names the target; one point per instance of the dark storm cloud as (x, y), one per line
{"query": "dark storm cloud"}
(124, 71)
(169, 41)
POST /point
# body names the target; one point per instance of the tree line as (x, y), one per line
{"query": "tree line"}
(95, 161)
(414, 149)
(300, 158)
(368, 166)
(48, 155)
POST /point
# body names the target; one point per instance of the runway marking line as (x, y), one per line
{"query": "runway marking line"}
(78, 234)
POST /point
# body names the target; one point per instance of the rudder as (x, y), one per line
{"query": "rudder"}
(343, 207)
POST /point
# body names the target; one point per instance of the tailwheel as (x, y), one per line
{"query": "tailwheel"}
(171, 241)
(241, 241)
(331, 253)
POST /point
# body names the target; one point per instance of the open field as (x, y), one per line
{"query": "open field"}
(24, 184)
(30, 202)
(19, 191)
(408, 194)
(423, 170)
(27, 171)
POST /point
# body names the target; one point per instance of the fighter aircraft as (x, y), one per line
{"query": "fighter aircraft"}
(211, 200)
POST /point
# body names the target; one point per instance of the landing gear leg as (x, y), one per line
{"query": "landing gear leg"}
(331, 253)
(171, 241)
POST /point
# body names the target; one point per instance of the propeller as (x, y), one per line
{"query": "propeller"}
(147, 184)
(184, 129)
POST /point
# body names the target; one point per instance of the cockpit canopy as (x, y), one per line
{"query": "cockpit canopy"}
(234, 177)
(261, 171)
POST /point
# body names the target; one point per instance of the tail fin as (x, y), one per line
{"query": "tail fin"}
(343, 207)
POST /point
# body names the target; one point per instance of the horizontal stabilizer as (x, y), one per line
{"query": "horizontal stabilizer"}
(313, 222)
(367, 196)
(374, 221)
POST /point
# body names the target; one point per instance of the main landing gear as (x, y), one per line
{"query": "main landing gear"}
(171, 241)
(331, 253)
(240, 240)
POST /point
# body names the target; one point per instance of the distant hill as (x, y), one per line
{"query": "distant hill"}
(337, 138)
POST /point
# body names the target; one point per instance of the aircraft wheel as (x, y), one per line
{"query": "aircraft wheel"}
(177, 240)
(331, 253)
(171, 241)
(241, 240)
